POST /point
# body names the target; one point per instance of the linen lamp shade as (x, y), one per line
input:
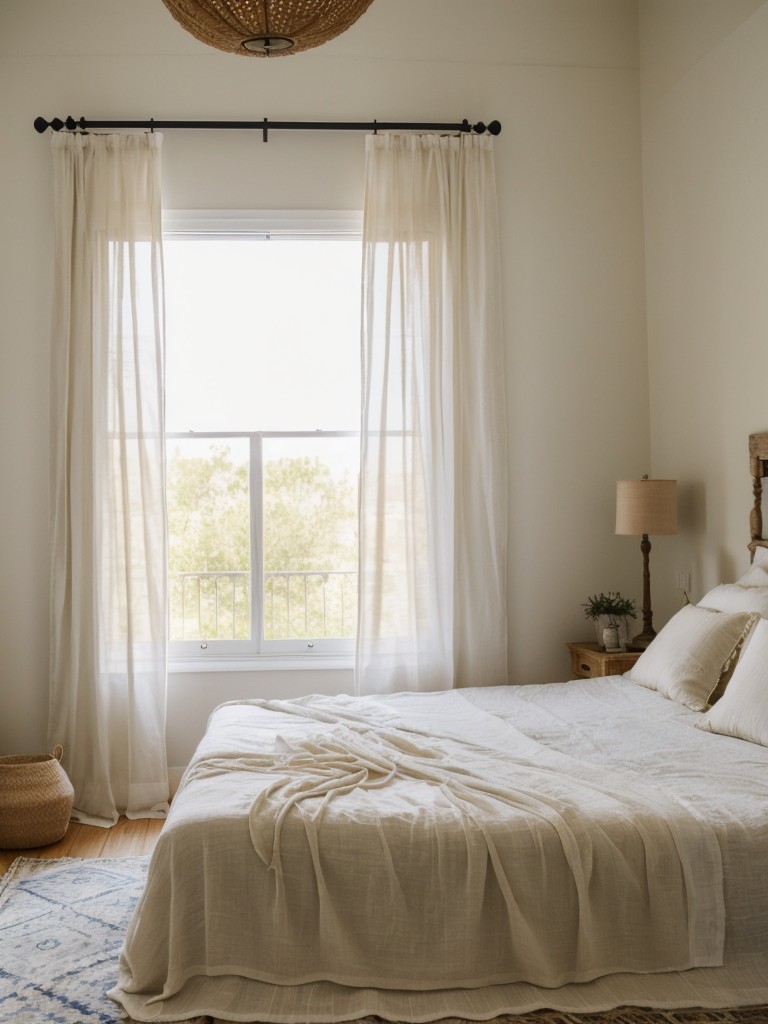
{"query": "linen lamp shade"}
(646, 506)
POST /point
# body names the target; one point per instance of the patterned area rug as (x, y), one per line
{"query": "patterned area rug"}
(61, 928)
(62, 924)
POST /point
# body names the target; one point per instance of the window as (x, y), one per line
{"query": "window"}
(262, 418)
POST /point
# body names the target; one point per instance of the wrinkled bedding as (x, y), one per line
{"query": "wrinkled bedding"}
(472, 842)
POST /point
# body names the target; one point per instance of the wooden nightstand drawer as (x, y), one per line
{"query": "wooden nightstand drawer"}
(589, 661)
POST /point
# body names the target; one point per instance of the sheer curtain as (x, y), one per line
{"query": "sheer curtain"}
(108, 593)
(433, 489)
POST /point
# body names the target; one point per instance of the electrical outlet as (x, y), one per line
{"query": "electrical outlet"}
(683, 580)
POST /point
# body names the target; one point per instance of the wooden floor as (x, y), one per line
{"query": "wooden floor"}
(128, 838)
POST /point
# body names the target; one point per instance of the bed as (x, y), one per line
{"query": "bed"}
(579, 845)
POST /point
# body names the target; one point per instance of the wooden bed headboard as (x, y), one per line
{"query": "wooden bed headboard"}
(758, 467)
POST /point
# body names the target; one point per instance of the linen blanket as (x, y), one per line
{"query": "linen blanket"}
(415, 842)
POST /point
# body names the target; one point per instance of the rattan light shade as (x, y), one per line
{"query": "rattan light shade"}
(266, 28)
(646, 506)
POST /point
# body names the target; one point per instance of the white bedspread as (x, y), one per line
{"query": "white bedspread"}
(472, 840)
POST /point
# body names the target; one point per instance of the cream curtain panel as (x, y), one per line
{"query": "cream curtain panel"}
(433, 488)
(108, 597)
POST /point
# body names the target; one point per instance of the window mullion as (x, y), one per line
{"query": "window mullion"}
(257, 541)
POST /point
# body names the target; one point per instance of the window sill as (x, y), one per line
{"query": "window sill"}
(268, 663)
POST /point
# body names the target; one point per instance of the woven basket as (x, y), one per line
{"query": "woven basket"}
(36, 799)
(290, 25)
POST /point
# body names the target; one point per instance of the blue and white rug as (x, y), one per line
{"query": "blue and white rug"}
(62, 924)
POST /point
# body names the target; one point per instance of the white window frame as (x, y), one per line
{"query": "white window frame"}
(258, 653)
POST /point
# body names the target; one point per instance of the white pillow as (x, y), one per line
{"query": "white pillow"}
(742, 711)
(735, 597)
(686, 658)
(757, 574)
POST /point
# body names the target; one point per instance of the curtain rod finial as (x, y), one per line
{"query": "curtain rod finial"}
(494, 128)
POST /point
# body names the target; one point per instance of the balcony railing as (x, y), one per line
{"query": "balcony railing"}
(217, 605)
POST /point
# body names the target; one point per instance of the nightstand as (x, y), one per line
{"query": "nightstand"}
(588, 661)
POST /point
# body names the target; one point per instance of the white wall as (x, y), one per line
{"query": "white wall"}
(705, 160)
(561, 76)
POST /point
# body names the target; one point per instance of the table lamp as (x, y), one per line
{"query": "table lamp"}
(643, 508)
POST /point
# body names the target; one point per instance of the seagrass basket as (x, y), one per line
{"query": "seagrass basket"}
(36, 799)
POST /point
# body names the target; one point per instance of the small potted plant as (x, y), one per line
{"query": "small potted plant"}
(610, 612)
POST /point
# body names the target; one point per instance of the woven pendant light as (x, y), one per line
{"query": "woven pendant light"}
(266, 28)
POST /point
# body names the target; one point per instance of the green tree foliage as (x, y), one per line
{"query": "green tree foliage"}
(310, 525)
(208, 523)
(309, 517)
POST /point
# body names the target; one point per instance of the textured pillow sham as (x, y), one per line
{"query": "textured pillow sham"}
(743, 709)
(687, 657)
(732, 597)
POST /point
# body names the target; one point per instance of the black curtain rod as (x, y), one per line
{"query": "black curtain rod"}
(265, 125)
